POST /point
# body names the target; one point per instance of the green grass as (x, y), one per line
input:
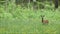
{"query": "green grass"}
(28, 21)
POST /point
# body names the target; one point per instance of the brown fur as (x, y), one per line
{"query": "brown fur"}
(45, 22)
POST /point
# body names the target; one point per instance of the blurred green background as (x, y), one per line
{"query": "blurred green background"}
(24, 17)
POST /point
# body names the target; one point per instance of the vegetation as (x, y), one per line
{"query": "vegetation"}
(18, 20)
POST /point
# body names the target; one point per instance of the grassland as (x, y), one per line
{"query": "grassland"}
(28, 21)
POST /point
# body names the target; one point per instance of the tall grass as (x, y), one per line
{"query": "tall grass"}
(28, 21)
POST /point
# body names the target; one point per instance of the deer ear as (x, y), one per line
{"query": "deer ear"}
(42, 15)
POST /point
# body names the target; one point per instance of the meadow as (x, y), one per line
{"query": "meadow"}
(28, 21)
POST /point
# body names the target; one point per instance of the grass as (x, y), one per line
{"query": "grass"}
(28, 21)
